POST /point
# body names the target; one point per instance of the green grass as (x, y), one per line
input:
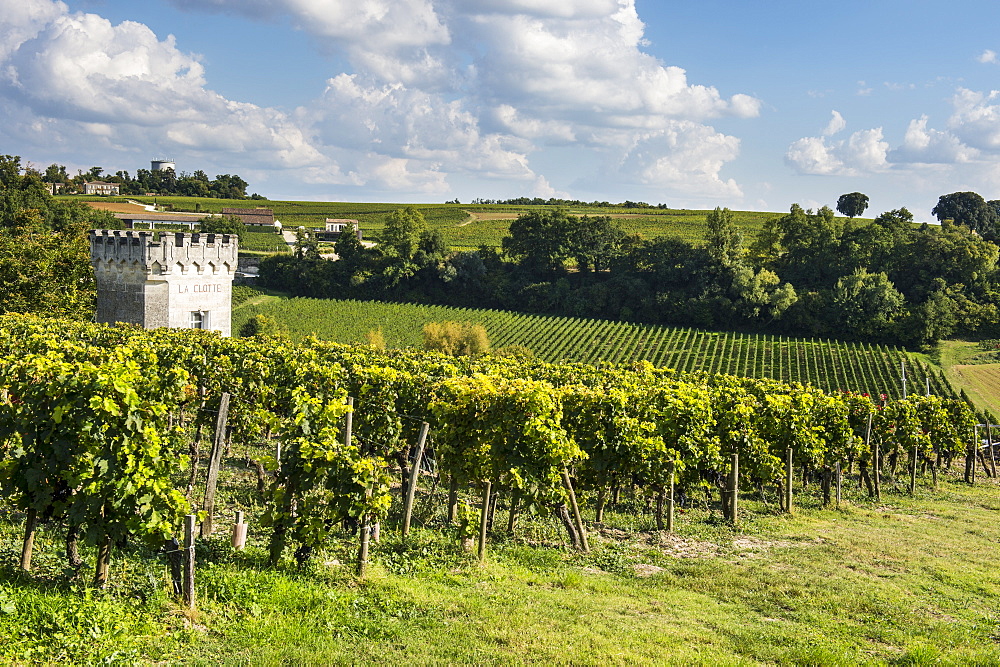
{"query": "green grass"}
(829, 365)
(901, 581)
(455, 221)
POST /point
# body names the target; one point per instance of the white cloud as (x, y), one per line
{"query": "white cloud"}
(85, 75)
(504, 75)
(863, 152)
(987, 56)
(976, 119)
(436, 87)
(812, 155)
(930, 146)
(685, 157)
(836, 124)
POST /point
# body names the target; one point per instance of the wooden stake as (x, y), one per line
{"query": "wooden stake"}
(30, 524)
(734, 489)
(189, 592)
(602, 499)
(877, 471)
(414, 475)
(366, 533)
(989, 439)
(349, 421)
(670, 499)
(913, 472)
(789, 474)
(214, 461)
(840, 479)
(483, 518)
(452, 498)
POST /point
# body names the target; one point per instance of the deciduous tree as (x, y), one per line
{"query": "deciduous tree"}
(852, 204)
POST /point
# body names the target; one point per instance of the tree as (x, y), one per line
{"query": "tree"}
(852, 204)
(969, 209)
(868, 303)
(594, 242)
(228, 224)
(402, 231)
(724, 240)
(539, 240)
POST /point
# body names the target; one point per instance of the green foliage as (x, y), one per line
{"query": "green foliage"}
(969, 209)
(455, 338)
(852, 204)
(260, 325)
(724, 240)
(229, 224)
(402, 231)
(829, 365)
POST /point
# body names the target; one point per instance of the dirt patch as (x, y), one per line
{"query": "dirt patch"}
(668, 543)
(476, 216)
(644, 570)
(116, 208)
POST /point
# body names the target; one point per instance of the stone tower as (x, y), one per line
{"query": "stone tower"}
(164, 279)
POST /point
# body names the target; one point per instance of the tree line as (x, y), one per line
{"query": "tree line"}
(806, 273)
(145, 181)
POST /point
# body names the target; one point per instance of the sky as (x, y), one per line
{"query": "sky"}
(753, 106)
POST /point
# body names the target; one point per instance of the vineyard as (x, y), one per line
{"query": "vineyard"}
(105, 445)
(462, 229)
(828, 365)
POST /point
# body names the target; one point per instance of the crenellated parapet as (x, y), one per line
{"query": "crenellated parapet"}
(164, 279)
(163, 253)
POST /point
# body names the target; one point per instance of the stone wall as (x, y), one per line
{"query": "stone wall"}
(161, 279)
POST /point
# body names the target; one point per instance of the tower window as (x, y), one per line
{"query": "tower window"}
(199, 319)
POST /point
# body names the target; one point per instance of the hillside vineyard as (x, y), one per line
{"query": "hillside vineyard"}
(93, 417)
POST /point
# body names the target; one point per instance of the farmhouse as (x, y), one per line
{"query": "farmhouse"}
(101, 188)
(337, 226)
(160, 279)
(254, 217)
(340, 224)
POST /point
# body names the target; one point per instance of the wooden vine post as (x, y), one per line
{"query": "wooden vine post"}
(670, 499)
(189, 596)
(989, 439)
(789, 475)
(414, 475)
(840, 479)
(877, 470)
(913, 471)
(484, 516)
(30, 525)
(215, 460)
(734, 489)
(970, 457)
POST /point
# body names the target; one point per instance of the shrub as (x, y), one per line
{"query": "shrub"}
(456, 338)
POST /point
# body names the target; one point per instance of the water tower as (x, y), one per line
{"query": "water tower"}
(163, 165)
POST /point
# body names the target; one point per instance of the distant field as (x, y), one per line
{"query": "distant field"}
(826, 364)
(263, 242)
(468, 226)
(984, 382)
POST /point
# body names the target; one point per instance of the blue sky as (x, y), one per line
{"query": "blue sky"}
(693, 104)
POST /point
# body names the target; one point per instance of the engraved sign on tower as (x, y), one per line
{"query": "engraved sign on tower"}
(163, 279)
